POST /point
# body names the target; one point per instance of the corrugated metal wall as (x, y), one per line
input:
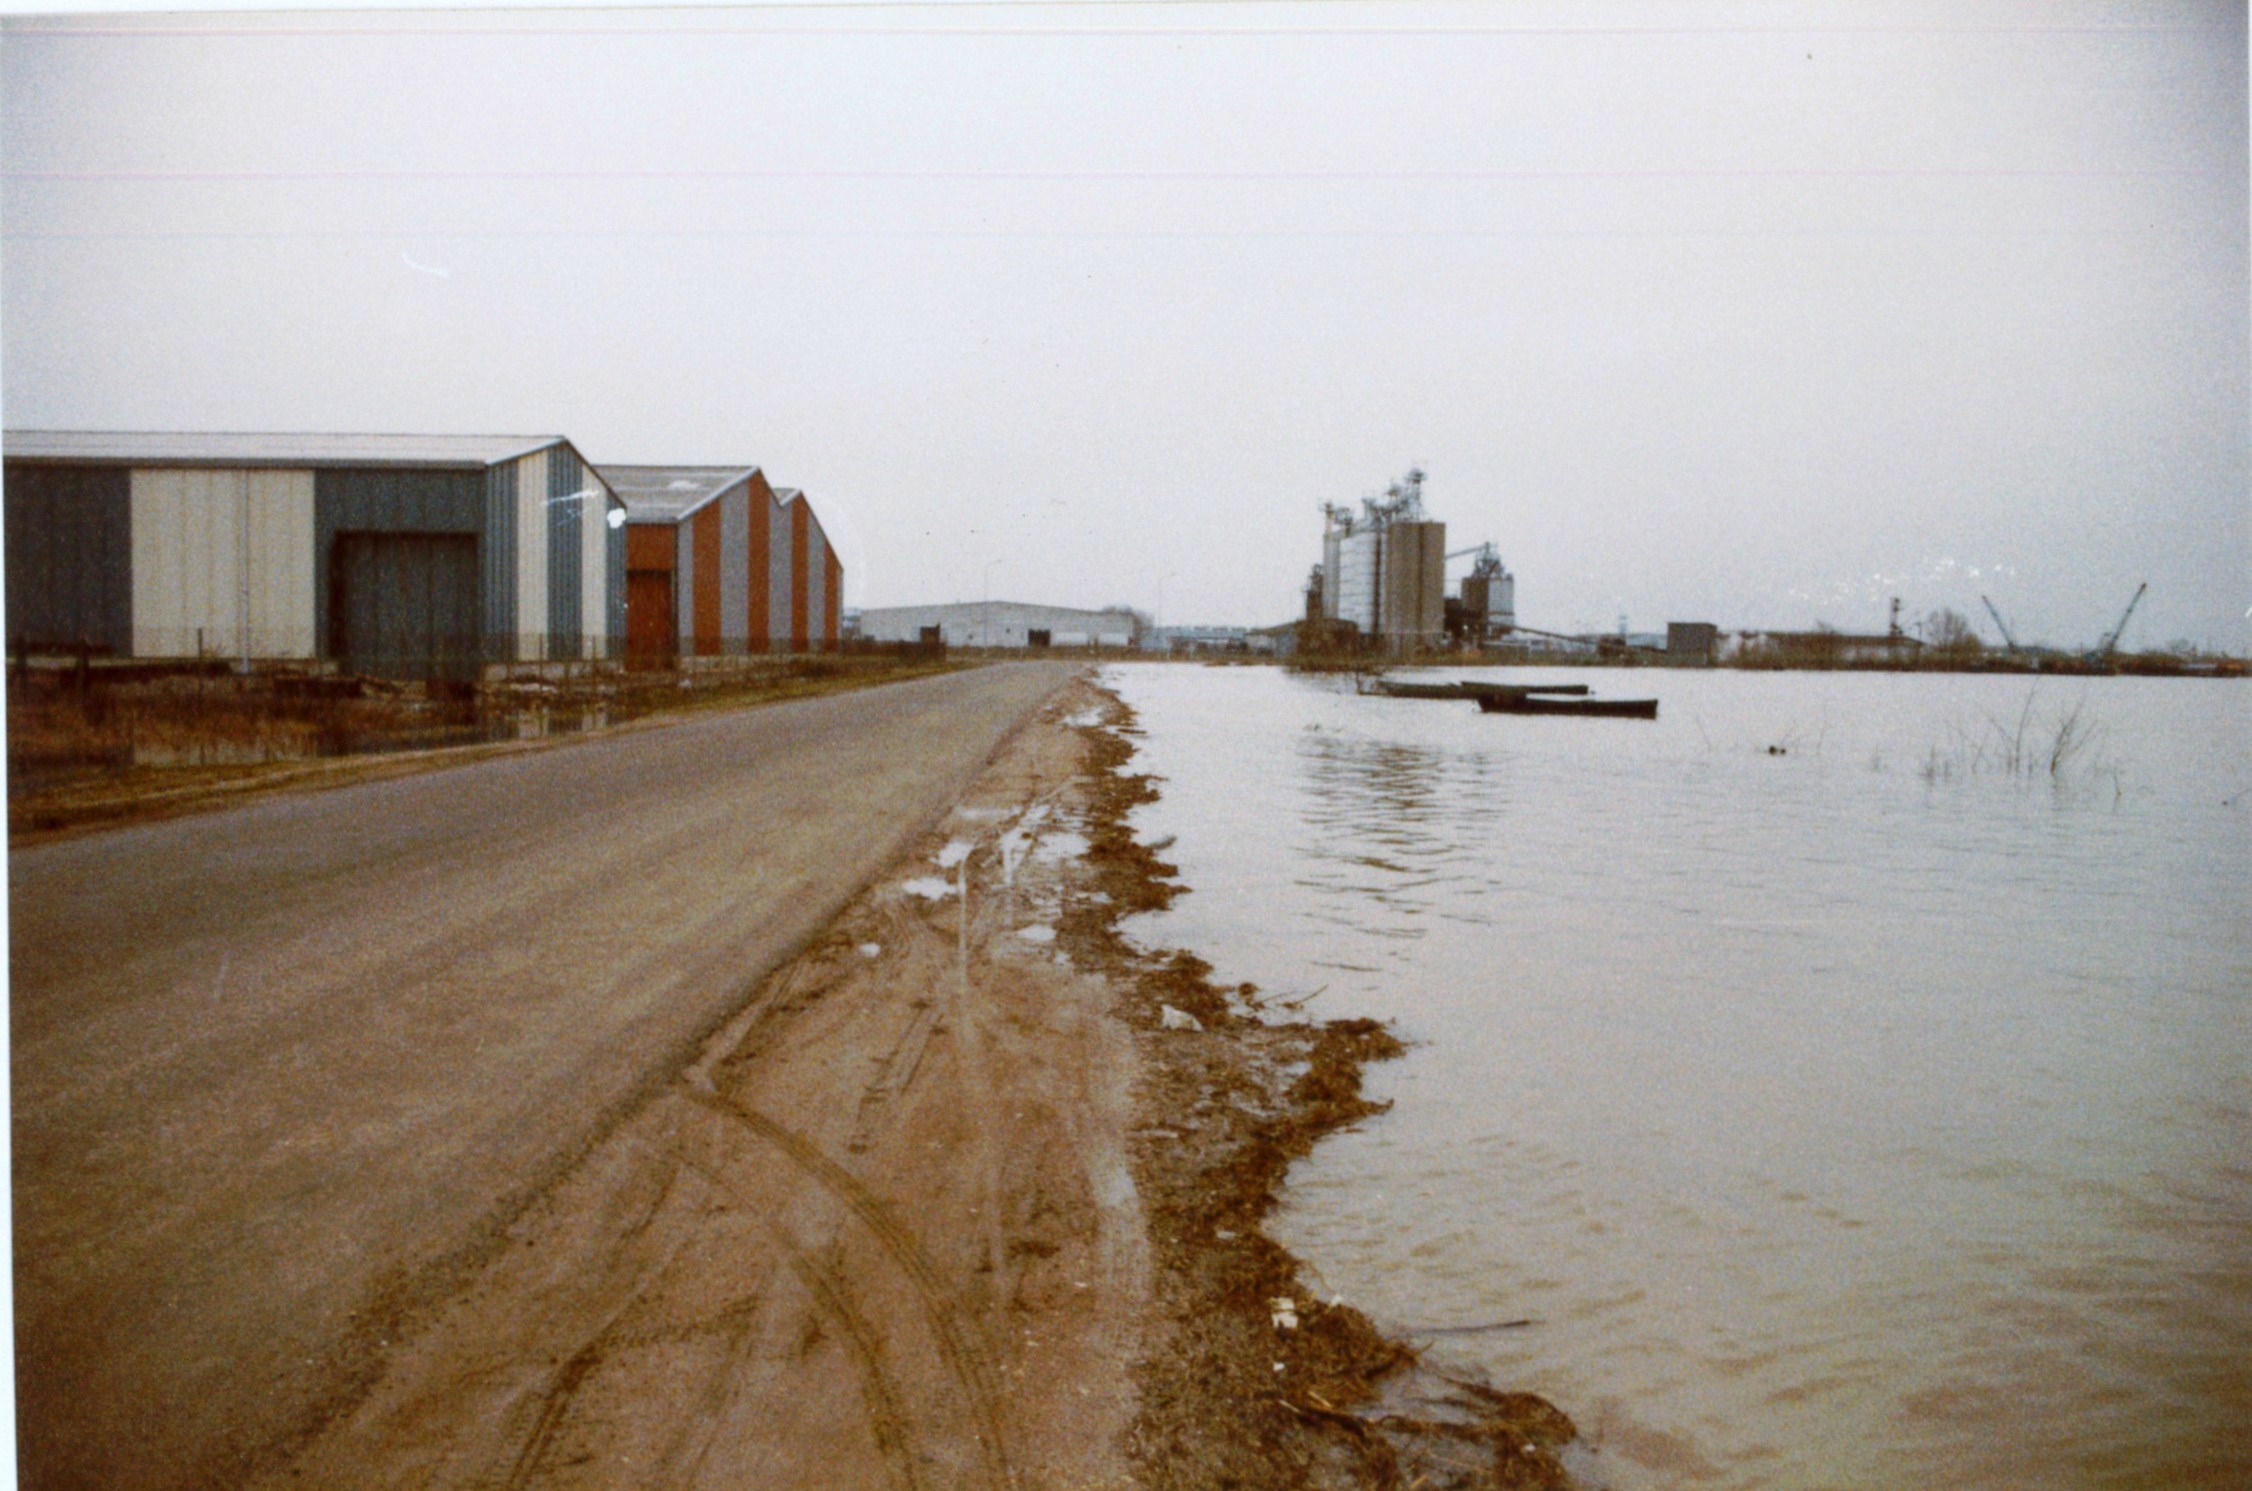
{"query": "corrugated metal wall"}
(406, 604)
(778, 577)
(596, 572)
(223, 563)
(684, 586)
(816, 577)
(761, 566)
(70, 556)
(1354, 578)
(1412, 595)
(154, 561)
(650, 546)
(530, 578)
(497, 562)
(567, 512)
(968, 623)
(735, 570)
(383, 500)
(798, 540)
(704, 532)
(613, 579)
(834, 592)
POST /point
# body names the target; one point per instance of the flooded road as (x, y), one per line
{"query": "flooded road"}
(1848, 1077)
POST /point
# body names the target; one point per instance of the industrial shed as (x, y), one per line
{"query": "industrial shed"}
(1000, 624)
(719, 563)
(816, 575)
(418, 556)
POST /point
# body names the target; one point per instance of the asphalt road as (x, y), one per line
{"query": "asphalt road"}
(282, 1074)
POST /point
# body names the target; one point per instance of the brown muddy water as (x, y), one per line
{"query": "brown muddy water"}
(1845, 1080)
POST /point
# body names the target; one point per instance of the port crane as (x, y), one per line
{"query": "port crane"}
(2007, 640)
(2110, 642)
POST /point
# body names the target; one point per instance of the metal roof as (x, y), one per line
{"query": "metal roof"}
(212, 448)
(666, 494)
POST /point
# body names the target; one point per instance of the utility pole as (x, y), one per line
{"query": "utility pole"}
(242, 587)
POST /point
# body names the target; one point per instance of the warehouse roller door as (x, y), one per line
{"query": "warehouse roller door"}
(404, 605)
(649, 618)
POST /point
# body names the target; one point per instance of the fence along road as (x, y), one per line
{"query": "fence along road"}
(279, 1072)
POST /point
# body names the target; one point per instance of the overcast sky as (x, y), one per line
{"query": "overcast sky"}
(1756, 314)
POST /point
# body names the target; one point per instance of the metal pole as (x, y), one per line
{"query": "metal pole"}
(242, 597)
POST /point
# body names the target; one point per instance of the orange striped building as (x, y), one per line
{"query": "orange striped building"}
(720, 563)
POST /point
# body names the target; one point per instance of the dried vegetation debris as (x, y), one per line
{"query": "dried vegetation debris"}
(1246, 1380)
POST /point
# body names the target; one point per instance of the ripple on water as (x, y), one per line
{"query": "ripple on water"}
(1838, 1122)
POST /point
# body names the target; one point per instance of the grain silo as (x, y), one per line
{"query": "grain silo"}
(1384, 569)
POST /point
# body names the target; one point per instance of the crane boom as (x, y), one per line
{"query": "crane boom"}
(2110, 642)
(2007, 639)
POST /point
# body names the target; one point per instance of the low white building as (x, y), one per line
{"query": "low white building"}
(999, 624)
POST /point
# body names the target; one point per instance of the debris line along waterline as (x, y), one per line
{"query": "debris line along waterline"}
(1249, 1378)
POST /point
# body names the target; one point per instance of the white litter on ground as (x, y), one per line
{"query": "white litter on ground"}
(1012, 846)
(871, 949)
(1283, 1310)
(1059, 846)
(1174, 1019)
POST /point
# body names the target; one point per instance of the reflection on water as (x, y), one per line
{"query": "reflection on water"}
(1846, 1098)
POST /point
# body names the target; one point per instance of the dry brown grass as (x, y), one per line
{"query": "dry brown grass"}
(111, 753)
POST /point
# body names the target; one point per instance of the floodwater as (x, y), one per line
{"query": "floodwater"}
(1849, 1087)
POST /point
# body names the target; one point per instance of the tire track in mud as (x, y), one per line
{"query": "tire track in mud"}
(682, 1463)
(556, 1403)
(964, 1355)
(888, 1423)
(887, 1419)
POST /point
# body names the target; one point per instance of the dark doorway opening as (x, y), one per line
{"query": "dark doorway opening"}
(404, 605)
(652, 631)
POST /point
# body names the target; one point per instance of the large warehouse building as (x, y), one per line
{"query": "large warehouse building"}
(719, 563)
(391, 555)
(1000, 624)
